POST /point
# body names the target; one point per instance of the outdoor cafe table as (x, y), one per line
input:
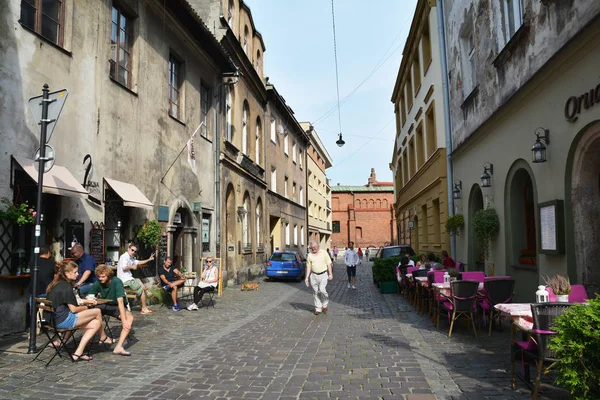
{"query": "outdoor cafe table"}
(444, 289)
(520, 316)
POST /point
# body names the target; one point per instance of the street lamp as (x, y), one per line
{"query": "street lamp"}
(456, 191)
(486, 177)
(340, 142)
(538, 149)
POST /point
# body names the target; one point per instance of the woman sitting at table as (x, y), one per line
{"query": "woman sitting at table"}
(67, 313)
(208, 283)
(422, 261)
(111, 288)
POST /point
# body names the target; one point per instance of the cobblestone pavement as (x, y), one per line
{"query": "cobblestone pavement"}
(269, 345)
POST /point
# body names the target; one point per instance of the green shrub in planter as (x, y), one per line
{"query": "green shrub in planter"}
(384, 269)
(577, 347)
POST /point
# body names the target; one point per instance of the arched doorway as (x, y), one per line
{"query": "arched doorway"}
(583, 192)
(182, 239)
(230, 232)
(476, 259)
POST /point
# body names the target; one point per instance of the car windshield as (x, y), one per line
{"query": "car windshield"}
(391, 252)
(283, 257)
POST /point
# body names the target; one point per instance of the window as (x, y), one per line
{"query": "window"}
(246, 34)
(206, 232)
(228, 113)
(335, 227)
(405, 167)
(258, 61)
(295, 235)
(417, 71)
(285, 187)
(285, 144)
(403, 107)
(419, 143)
(409, 91)
(435, 216)
(301, 196)
(293, 151)
(424, 222)
(44, 17)
(300, 160)
(120, 45)
(426, 45)
(310, 207)
(245, 230)
(245, 129)
(274, 179)
(467, 44)
(257, 140)
(430, 133)
(259, 243)
(412, 155)
(204, 108)
(287, 234)
(175, 84)
(294, 191)
(301, 236)
(230, 14)
(513, 17)
(273, 131)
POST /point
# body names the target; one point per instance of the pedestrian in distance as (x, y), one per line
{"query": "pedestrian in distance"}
(367, 254)
(351, 259)
(335, 253)
(360, 253)
(318, 271)
(127, 264)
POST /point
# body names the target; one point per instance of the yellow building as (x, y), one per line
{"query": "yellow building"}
(419, 159)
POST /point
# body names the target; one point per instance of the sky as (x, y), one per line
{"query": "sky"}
(300, 62)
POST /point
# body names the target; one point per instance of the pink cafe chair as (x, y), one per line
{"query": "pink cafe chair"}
(478, 276)
(461, 302)
(578, 294)
(497, 291)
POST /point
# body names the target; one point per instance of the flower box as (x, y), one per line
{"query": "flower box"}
(388, 287)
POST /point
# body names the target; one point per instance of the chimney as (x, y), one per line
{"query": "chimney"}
(372, 177)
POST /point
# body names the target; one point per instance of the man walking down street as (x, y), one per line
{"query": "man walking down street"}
(318, 263)
(351, 259)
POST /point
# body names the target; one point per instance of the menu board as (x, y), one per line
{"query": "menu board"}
(97, 245)
(551, 227)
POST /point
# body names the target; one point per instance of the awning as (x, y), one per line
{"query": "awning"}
(131, 195)
(58, 180)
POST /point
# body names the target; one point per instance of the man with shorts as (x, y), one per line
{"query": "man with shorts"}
(351, 259)
(127, 264)
(111, 288)
(318, 264)
(171, 279)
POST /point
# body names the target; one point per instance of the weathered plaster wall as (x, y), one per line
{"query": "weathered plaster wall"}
(550, 26)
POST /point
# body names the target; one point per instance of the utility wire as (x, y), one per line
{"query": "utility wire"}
(337, 79)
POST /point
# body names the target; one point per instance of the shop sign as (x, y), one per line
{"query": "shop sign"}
(587, 100)
(177, 218)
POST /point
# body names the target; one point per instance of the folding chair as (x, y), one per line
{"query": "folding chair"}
(214, 292)
(186, 292)
(48, 325)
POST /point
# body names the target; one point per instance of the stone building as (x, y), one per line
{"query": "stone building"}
(363, 214)
(136, 94)
(520, 73)
(419, 159)
(286, 158)
(319, 189)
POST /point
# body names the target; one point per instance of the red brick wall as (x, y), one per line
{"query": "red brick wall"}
(373, 217)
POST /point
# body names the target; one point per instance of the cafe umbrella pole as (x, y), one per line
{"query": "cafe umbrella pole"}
(38, 217)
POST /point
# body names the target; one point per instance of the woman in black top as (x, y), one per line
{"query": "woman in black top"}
(67, 314)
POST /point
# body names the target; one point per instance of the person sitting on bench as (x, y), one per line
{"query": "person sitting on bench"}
(172, 279)
(111, 288)
(209, 281)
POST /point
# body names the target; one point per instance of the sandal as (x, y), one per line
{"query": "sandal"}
(108, 341)
(82, 357)
(122, 353)
(146, 311)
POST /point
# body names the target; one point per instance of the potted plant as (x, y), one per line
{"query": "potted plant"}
(560, 286)
(20, 214)
(528, 256)
(149, 233)
(454, 223)
(453, 272)
(577, 347)
(384, 273)
(486, 226)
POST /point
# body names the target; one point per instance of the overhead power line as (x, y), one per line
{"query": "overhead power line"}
(337, 79)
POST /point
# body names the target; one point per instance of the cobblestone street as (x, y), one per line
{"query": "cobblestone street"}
(269, 345)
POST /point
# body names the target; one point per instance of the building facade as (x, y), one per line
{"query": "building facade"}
(135, 98)
(286, 163)
(319, 189)
(363, 214)
(521, 72)
(419, 159)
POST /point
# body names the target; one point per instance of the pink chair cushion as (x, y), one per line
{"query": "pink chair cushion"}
(410, 270)
(478, 276)
(578, 294)
(527, 346)
(438, 276)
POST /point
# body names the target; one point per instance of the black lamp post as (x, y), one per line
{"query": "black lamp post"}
(486, 177)
(539, 149)
(340, 142)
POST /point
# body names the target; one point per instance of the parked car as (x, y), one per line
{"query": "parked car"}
(286, 264)
(393, 251)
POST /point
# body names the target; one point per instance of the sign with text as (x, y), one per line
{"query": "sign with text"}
(551, 227)
(97, 244)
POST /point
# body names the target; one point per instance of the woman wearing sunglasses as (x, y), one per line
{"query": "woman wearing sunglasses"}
(208, 282)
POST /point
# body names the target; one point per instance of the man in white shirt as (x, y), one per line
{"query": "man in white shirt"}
(351, 259)
(127, 264)
(318, 271)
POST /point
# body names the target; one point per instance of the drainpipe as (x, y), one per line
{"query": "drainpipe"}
(217, 144)
(447, 122)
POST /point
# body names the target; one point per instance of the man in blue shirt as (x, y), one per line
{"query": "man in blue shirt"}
(87, 266)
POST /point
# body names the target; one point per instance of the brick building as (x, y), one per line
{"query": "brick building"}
(363, 214)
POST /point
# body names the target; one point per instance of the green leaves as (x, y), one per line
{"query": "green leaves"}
(384, 269)
(486, 226)
(20, 214)
(149, 234)
(577, 347)
(454, 223)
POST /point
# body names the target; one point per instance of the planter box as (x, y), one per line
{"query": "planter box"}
(388, 287)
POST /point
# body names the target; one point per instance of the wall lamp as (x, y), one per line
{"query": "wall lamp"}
(340, 142)
(486, 177)
(538, 149)
(241, 212)
(457, 189)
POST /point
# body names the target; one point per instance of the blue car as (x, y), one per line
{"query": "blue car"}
(286, 264)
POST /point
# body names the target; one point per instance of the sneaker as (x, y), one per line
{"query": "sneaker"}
(167, 287)
(348, 285)
(176, 308)
(192, 307)
(353, 287)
